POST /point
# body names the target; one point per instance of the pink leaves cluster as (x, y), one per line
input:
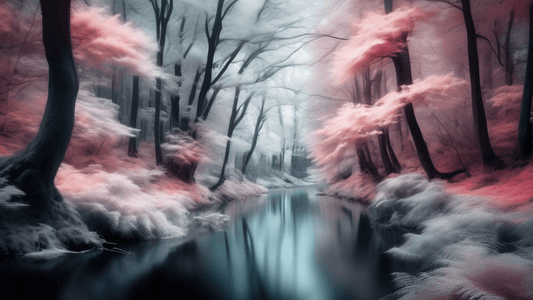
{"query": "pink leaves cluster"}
(355, 124)
(435, 90)
(352, 126)
(508, 100)
(100, 40)
(377, 36)
(183, 149)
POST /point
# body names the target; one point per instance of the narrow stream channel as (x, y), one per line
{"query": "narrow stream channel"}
(289, 244)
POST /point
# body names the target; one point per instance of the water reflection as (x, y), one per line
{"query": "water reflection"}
(289, 244)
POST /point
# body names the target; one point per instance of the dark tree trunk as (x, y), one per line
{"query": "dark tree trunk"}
(421, 147)
(48, 148)
(381, 77)
(132, 147)
(368, 155)
(366, 166)
(258, 126)
(387, 164)
(162, 16)
(192, 94)
(115, 86)
(281, 159)
(157, 131)
(480, 122)
(524, 123)
(360, 158)
(395, 163)
(237, 114)
(212, 46)
(367, 93)
(34, 169)
(387, 153)
(175, 100)
(402, 65)
(509, 64)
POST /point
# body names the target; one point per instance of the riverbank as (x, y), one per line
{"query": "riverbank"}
(287, 244)
(464, 245)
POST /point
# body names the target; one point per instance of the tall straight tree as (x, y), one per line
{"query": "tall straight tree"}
(402, 64)
(132, 146)
(33, 170)
(163, 11)
(175, 100)
(213, 40)
(480, 121)
(524, 123)
(260, 121)
(386, 155)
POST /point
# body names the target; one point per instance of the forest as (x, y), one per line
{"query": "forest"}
(123, 120)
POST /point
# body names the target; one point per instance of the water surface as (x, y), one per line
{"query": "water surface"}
(289, 244)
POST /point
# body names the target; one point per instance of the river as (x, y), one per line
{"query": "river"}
(288, 244)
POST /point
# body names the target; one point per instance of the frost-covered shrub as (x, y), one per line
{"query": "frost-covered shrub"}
(181, 154)
(47, 229)
(125, 204)
(407, 201)
(472, 249)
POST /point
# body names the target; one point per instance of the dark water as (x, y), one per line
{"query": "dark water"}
(289, 244)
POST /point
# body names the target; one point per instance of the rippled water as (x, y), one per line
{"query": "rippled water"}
(289, 244)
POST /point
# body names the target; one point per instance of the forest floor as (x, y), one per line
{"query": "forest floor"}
(506, 188)
(469, 237)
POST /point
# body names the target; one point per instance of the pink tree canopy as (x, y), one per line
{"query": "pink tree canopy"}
(377, 36)
(100, 40)
(355, 124)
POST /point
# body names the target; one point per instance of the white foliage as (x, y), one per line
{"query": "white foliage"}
(98, 116)
(214, 221)
(146, 214)
(478, 251)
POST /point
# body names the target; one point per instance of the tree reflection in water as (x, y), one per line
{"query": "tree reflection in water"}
(289, 244)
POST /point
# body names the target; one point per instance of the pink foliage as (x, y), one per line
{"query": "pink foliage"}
(377, 36)
(507, 188)
(96, 128)
(100, 40)
(182, 149)
(6, 19)
(504, 129)
(435, 90)
(508, 100)
(355, 124)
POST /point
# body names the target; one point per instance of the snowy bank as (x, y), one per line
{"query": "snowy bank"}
(282, 180)
(469, 247)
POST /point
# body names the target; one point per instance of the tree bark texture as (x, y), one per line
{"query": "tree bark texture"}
(212, 46)
(162, 16)
(402, 64)
(175, 100)
(509, 63)
(480, 122)
(132, 146)
(33, 170)
(258, 126)
(231, 128)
